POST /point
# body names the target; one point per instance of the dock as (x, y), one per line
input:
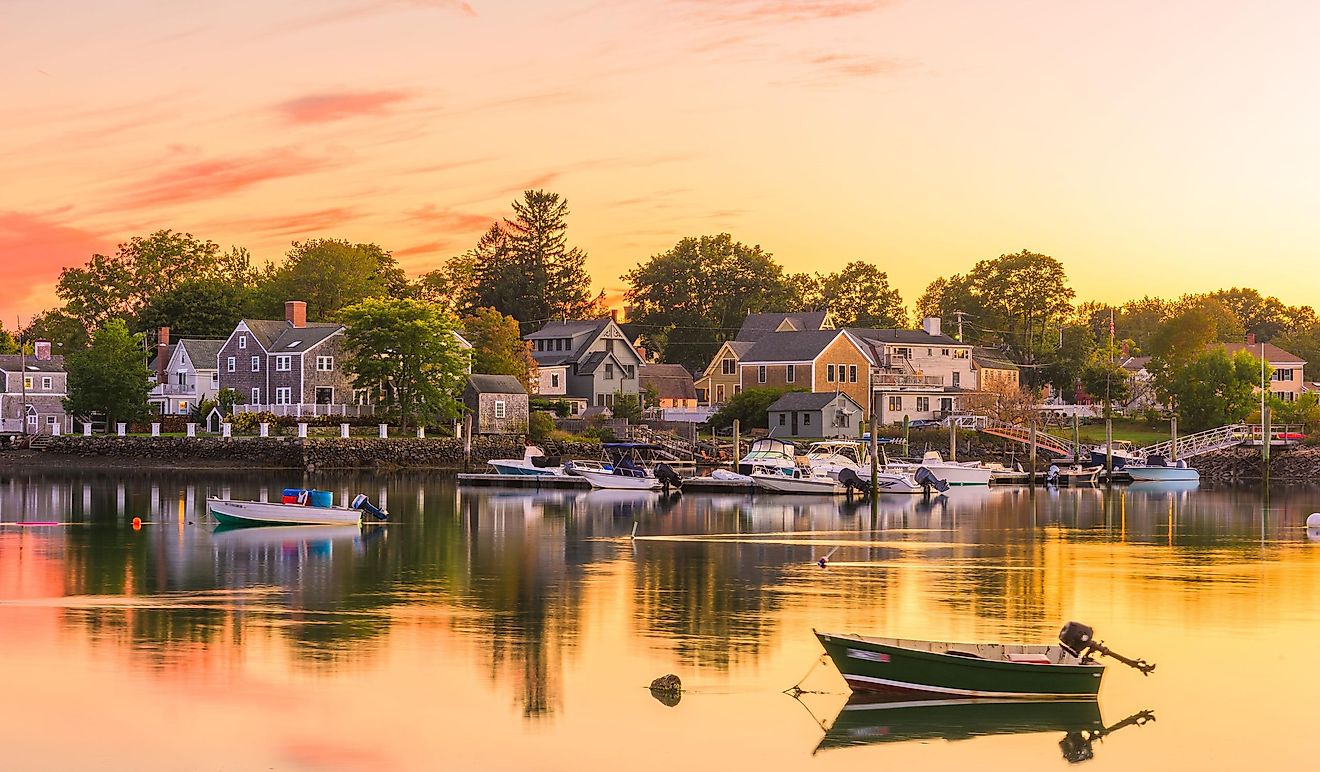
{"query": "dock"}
(554, 482)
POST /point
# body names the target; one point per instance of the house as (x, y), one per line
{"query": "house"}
(757, 326)
(719, 381)
(672, 385)
(585, 362)
(993, 371)
(498, 404)
(1141, 387)
(1286, 380)
(289, 367)
(821, 414)
(814, 360)
(186, 373)
(33, 392)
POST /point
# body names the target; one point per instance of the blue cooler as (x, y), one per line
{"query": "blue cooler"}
(322, 499)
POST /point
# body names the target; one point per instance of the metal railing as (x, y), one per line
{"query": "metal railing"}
(879, 380)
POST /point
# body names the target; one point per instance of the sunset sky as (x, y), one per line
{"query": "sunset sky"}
(1154, 148)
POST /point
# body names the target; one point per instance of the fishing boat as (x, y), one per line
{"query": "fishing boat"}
(769, 454)
(1123, 452)
(1074, 475)
(308, 508)
(533, 463)
(624, 466)
(1156, 469)
(951, 472)
(1019, 671)
(796, 481)
(830, 457)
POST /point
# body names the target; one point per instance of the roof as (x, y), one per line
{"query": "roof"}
(591, 361)
(13, 363)
(806, 400)
(990, 359)
(915, 337)
(279, 337)
(670, 381)
(580, 332)
(1272, 352)
(1135, 364)
(757, 326)
(495, 384)
(203, 353)
(797, 346)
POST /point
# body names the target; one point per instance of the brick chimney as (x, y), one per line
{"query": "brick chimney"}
(162, 353)
(295, 313)
(41, 350)
(1251, 339)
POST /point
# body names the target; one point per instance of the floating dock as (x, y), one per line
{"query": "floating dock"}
(555, 482)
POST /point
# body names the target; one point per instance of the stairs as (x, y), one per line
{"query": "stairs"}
(39, 441)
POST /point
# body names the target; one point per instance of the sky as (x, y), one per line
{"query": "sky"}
(1153, 148)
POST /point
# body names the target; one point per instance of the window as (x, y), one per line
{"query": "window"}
(728, 366)
(737, 389)
(256, 396)
(960, 353)
(256, 364)
(760, 373)
(852, 373)
(923, 404)
(325, 364)
(1283, 375)
(283, 363)
(719, 393)
(215, 378)
(792, 374)
(829, 373)
(27, 381)
(895, 402)
(183, 408)
(181, 378)
(946, 404)
(627, 371)
(231, 364)
(806, 419)
(283, 395)
(554, 380)
(609, 371)
(242, 341)
(540, 345)
(45, 382)
(944, 352)
(782, 416)
(902, 353)
(500, 410)
(930, 352)
(956, 376)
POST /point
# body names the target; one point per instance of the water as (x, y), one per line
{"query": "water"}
(518, 630)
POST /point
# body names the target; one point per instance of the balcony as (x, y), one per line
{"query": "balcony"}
(900, 380)
(308, 410)
(175, 390)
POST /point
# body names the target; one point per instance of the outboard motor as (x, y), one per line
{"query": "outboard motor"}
(1079, 640)
(852, 481)
(668, 477)
(364, 504)
(1052, 474)
(928, 479)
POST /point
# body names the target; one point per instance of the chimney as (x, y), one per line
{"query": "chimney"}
(162, 353)
(1251, 339)
(41, 350)
(931, 325)
(295, 313)
(614, 315)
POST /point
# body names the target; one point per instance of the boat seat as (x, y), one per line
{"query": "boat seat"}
(1030, 659)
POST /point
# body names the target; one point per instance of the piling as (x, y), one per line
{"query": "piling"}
(953, 439)
(1173, 438)
(1031, 450)
(467, 441)
(737, 443)
(875, 458)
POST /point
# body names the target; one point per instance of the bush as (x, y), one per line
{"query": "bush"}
(539, 426)
(560, 407)
(247, 423)
(750, 407)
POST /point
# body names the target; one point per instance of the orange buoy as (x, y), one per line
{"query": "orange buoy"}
(137, 524)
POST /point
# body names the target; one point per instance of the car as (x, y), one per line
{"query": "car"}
(923, 423)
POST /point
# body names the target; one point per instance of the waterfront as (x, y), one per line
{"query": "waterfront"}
(518, 630)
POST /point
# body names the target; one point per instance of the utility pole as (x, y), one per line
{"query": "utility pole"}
(22, 368)
(959, 315)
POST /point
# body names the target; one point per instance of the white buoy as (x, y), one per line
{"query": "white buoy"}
(1313, 520)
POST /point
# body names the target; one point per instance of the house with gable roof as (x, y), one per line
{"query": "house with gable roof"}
(289, 367)
(721, 379)
(584, 361)
(186, 373)
(32, 392)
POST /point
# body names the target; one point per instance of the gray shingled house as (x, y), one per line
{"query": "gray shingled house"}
(32, 392)
(820, 414)
(584, 361)
(498, 404)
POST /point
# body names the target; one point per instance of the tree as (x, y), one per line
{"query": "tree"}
(8, 343)
(122, 284)
(452, 285)
(65, 331)
(1213, 389)
(110, 376)
(1264, 317)
(524, 267)
(1305, 343)
(404, 351)
(497, 348)
(1076, 353)
(197, 308)
(750, 407)
(332, 274)
(1108, 381)
(860, 296)
(694, 296)
(1138, 320)
(627, 407)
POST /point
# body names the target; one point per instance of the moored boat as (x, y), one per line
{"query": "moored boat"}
(1019, 671)
(624, 468)
(951, 472)
(1074, 475)
(278, 513)
(1156, 469)
(533, 463)
(797, 481)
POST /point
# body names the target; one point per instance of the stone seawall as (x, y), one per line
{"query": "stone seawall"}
(1295, 464)
(353, 453)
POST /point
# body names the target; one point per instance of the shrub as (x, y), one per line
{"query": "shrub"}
(539, 426)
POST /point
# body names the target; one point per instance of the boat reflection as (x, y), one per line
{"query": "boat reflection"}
(866, 720)
(285, 536)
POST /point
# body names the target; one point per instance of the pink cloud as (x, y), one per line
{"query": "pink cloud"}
(218, 177)
(429, 248)
(288, 224)
(324, 108)
(449, 219)
(33, 249)
(369, 8)
(781, 11)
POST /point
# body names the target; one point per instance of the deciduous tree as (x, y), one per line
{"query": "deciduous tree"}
(110, 376)
(860, 296)
(197, 308)
(750, 407)
(497, 348)
(1213, 389)
(331, 274)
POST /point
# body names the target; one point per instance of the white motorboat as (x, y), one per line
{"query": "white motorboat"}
(533, 463)
(950, 472)
(624, 468)
(830, 457)
(796, 482)
(1122, 451)
(769, 453)
(1156, 469)
(276, 513)
(1074, 475)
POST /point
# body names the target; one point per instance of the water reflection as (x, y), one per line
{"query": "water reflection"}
(541, 602)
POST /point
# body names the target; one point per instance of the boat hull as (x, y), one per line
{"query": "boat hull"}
(869, 665)
(952, 473)
(617, 482)
(269, 513)
(520, 468)
(782, 483)
(1162, 473)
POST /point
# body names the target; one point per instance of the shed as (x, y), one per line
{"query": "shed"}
(818, 414)
(672, 385)
(498, 404)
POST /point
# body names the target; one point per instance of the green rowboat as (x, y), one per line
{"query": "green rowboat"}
(993, 670)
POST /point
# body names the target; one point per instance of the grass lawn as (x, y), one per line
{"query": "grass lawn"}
(1139, 433)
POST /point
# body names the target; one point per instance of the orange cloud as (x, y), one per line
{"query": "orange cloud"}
(306, 222)
(216, 178)
(324, 108)
(443, 217)
(33, 249)
(782, 11)
(857, 65)
(430, 247)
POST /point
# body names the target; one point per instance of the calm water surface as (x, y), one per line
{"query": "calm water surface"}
(518, 630)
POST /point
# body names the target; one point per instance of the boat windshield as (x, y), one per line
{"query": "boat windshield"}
(768, 449)
(849, 451)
